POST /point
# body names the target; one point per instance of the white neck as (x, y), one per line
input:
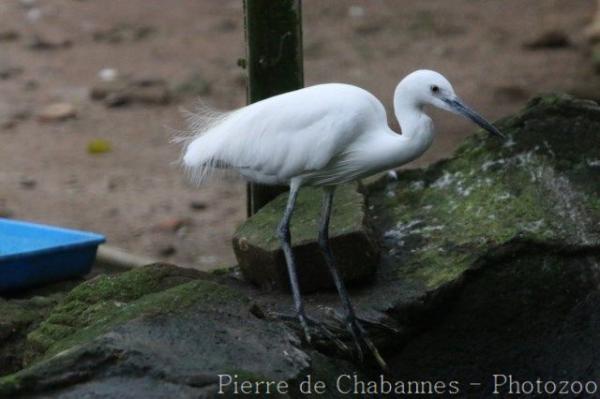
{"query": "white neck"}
(391, 150)
(409, 113)
(385, 149)
(417, 130)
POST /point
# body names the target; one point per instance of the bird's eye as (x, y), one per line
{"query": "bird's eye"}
(435, 89)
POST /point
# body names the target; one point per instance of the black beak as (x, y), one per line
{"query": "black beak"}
(460, 108)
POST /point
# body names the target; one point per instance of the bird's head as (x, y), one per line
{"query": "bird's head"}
(424, 87)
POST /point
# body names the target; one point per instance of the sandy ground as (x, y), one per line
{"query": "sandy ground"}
(135, 195)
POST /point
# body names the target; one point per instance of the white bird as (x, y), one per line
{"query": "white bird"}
(322, 135)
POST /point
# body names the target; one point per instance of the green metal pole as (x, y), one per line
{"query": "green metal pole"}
(274, 63)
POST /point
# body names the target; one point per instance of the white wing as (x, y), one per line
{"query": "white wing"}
(284, 136)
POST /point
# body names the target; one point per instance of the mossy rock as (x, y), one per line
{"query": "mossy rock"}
(94, 306)
(541, 185)
(261, 259)
(159, 331)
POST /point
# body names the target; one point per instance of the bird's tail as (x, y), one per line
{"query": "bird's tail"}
(201, 142)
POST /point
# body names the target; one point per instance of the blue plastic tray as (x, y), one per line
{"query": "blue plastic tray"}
(33, 254)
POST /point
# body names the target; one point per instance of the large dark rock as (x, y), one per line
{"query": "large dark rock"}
(155, 332)
(490, 265)
(261, 259)
(533, 315)
(495, 253)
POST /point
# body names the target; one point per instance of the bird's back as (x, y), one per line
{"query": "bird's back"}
(286, 136)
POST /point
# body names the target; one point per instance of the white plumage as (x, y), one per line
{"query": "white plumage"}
(325, 134)
(322, 135)
(285, 136)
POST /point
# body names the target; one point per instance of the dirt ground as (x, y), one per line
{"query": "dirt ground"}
(134, 194)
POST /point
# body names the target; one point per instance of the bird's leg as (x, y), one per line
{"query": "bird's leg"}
(358, 332)
(330, 260)
(283, 232)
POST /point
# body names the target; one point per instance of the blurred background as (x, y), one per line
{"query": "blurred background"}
(90, 90)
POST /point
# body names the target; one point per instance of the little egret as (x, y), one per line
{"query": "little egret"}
(322, 135)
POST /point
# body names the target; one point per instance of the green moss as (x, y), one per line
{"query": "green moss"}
(95, 306)
(128, 286)
(438, 221)
(347, 216)
(172, 300)
(460, 212)
(435, 269)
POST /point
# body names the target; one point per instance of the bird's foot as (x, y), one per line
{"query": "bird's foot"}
(355, 326)
(360, 338)
(311, 326)
(359, 335)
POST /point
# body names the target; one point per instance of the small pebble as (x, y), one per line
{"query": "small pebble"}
(198, 205)
(9, 35)
(48, 42)
(108, 74)
(28, 183)
(116, 100)
(121, 91)
(553, 39)
(57, 112)
(171, 224)
(123, 33)
(167, 250)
